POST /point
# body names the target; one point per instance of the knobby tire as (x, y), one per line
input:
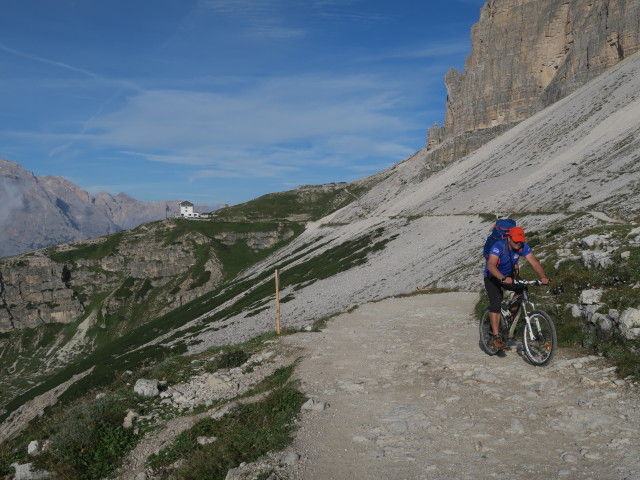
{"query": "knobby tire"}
(485, 332)
(540, 349)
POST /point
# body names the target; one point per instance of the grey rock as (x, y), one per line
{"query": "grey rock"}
(580, 42)
(604, 325)
(588, 311)
(215, 382)
(33, 448)
(596, 259)
(629, 324)
(23, 472)
(313, 404)
(592, 241)
(576, 311)
(206, 440)
(292, 459)
(35, 290)
(516, 427)
(398, 427)
(147, 388)
(591, 297)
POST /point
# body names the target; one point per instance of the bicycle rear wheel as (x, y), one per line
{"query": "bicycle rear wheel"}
(539, 339)
(485, 333)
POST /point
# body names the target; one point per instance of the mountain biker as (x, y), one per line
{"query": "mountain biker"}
(499, 272)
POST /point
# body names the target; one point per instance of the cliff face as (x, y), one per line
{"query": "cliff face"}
(42, 211)
(57, 286)
(526, 55)
(154, 268)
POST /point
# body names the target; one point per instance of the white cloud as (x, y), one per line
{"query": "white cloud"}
(430, 51)
(286, 121)
(259, 19)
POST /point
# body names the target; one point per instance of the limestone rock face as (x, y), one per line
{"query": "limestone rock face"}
(526, 55)
(38, 288)
(59, 284)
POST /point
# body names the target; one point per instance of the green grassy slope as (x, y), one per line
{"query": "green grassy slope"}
(124, 310)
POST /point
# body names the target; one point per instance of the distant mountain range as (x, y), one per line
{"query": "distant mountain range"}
(41, 211)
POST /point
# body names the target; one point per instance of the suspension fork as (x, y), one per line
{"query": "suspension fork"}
(527, 318)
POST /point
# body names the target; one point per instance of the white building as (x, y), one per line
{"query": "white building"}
(186, 210)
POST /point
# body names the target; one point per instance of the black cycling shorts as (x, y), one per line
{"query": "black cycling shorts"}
(494, 290)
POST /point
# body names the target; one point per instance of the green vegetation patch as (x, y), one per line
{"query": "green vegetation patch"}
(229, 359)
(94, 251)
(311, 202)
(245, 434)
(336, 259)
(623, 354)
(124, 291)
(87, 441)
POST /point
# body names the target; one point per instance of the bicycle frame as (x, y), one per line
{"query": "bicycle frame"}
(526, 307)
(539, 338)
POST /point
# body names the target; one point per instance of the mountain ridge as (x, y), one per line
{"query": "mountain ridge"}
(49, 210)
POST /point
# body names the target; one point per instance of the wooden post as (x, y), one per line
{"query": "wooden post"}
(277, 275)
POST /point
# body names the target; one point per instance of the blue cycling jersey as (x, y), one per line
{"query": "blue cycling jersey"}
(505, 264)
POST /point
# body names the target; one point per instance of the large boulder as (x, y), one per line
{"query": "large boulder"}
(24, 472)
(147, 388)
(596, 258)
(629, 324)
(590, 297)
(592, 241)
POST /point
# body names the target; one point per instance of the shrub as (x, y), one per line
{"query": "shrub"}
(229, 359)
(88, 441)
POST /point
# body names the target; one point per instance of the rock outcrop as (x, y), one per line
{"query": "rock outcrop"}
(45, 287)
(56, 285)
(527, 54)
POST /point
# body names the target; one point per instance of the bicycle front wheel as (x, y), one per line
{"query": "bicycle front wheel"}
(539, 339)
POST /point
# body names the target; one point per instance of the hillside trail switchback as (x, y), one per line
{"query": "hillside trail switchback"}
(409, 394)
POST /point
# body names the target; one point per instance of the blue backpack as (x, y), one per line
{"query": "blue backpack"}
(498, 232)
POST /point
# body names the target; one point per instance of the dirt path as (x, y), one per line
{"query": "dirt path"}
(413, 397)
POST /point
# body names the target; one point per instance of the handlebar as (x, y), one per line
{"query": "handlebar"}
(519, 282)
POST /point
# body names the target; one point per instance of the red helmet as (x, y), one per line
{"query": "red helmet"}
(517, 234)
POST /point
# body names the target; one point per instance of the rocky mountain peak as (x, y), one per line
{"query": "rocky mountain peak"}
(526, 55)
(42, 211)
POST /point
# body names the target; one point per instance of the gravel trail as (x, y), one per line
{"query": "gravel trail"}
(411, 396)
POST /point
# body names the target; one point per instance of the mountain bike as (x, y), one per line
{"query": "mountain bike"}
(539, 338)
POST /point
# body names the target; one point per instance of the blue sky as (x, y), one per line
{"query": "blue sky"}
(221, 101)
